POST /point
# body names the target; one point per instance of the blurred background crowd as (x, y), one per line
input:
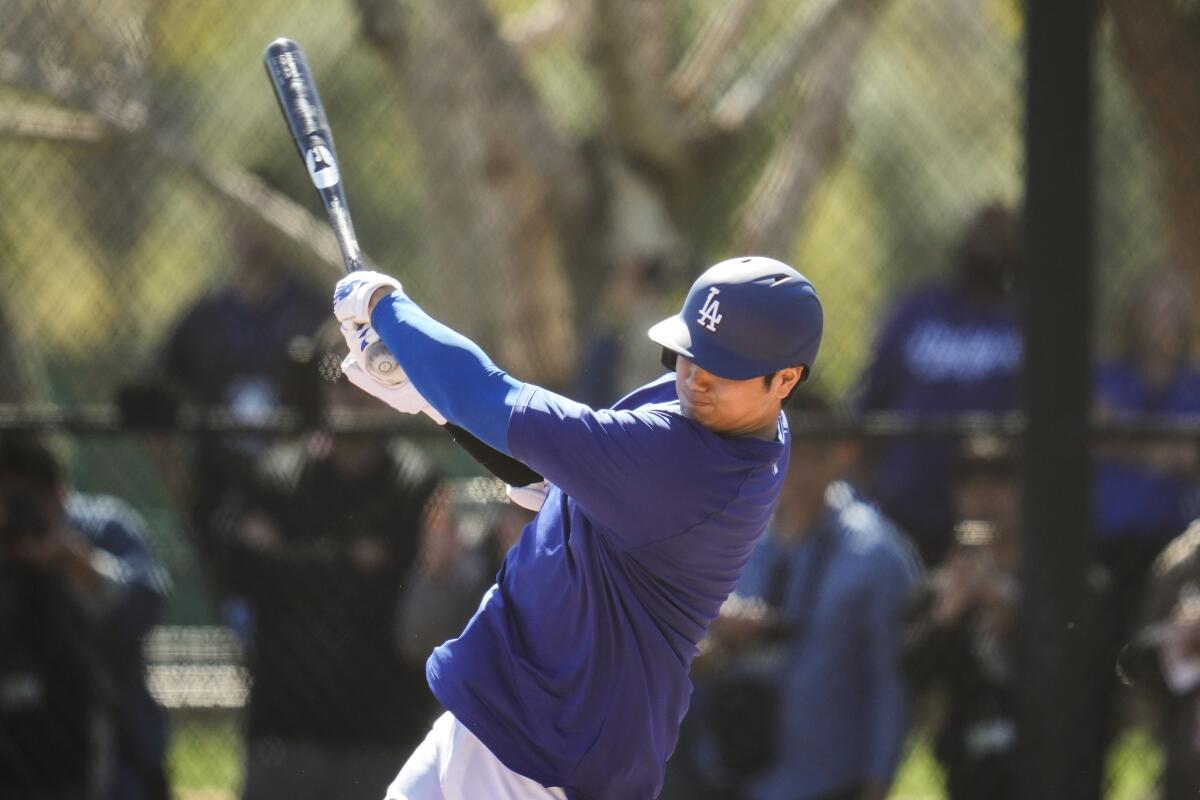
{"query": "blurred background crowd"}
(203, 590)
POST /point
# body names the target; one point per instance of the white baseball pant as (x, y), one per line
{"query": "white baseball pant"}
(451, 764)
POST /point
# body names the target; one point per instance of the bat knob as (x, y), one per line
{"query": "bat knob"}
(382, 366)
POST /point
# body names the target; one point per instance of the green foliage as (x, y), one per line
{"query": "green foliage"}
(110, 242)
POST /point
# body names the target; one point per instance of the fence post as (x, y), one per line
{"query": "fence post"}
(1056, 281)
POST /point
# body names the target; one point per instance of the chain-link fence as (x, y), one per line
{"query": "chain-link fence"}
(548, 176)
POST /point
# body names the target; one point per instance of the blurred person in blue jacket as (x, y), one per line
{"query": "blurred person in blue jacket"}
(1146, 491)
(79, 590)
(952, 346)
(805, 698)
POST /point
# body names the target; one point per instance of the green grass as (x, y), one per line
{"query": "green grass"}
(206, 763)
(206, 756)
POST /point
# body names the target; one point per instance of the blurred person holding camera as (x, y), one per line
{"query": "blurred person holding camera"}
(805, 698)
(959, 633)
(320, 547)
(952, 346)
(79, 590)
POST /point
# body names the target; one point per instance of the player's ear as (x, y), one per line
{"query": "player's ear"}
(786, 380)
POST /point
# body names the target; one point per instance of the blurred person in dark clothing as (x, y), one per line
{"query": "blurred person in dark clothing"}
(237, 349)
(79, 590)
(320, 551)
(959, 630)
(950, 347)
(1164, 661)
(804, 697)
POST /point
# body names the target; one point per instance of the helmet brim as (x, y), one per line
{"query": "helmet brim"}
(673, 334)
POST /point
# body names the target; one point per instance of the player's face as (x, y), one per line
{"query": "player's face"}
(735, 408)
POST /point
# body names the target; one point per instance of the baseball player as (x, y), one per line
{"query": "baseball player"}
(571, 679)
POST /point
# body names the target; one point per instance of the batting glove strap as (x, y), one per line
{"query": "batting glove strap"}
(353, 293)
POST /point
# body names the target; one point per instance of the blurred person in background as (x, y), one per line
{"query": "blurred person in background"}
(950, 347)
(616, 357)
(320, 548)
(805, 698)
(1146, 490)
(1164, 661)
(443, 588)
(79, 590)
(959, 630)
(241, 347)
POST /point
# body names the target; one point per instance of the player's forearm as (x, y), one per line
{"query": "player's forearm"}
(448, 369)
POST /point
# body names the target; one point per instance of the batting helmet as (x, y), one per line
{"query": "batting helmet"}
(746, 317)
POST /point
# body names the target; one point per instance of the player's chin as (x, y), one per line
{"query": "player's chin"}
(703, 413)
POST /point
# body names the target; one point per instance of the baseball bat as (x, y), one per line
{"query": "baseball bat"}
(305, 116)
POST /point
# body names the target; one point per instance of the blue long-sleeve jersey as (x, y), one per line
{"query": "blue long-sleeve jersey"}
(573, 671)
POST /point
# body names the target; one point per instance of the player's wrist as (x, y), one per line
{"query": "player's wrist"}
(376, 298)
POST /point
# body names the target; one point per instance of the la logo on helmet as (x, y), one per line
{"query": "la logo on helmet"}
(709, 316)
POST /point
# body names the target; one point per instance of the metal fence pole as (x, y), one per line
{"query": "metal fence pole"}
(1057, 295)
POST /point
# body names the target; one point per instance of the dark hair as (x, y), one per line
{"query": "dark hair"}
(31, 460)
(770, 376)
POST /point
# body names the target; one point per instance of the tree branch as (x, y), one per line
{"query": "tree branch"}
(503, 183)
(764, 85)
(772, 215)
(531, 30)
(695, 71)
(52, 124)
(628, 50)
(286, 221)
(70, 88)
(1159, 43)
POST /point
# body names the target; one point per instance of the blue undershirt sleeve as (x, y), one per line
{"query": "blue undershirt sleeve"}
(449, 370)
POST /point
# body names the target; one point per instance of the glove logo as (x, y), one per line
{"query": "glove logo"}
(343, 290)
(709, 316)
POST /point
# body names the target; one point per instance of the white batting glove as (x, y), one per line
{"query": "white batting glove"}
(403, 396)
(352, 295)
(372, 354)
(531, 497)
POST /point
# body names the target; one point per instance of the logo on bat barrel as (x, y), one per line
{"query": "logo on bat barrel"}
(321, 167)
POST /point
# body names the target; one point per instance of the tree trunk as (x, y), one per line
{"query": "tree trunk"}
(1159, 41)
(503, 185)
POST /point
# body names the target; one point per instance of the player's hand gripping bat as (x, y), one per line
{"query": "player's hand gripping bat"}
(301, 105)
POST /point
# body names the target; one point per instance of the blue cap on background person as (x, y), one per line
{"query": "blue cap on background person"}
(746, 317)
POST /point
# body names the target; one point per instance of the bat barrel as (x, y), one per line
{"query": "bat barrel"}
(301, 105)
(297, 92)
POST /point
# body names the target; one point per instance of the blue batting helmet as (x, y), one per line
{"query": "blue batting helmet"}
(746, 317)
